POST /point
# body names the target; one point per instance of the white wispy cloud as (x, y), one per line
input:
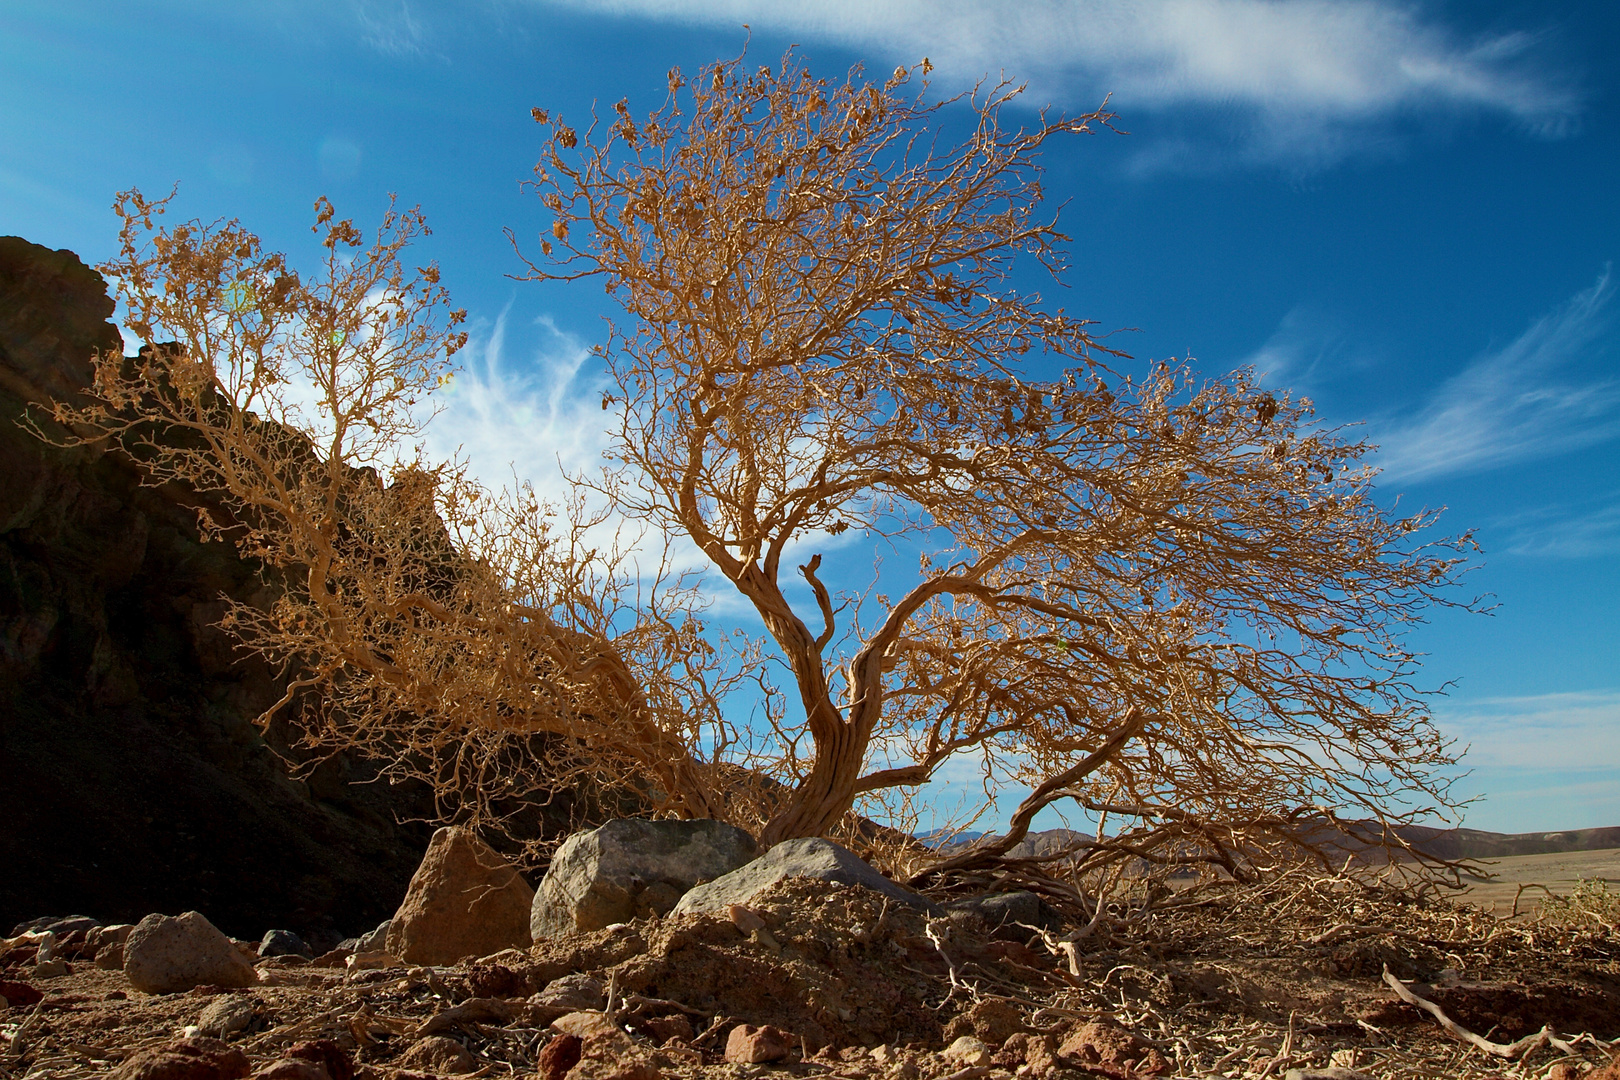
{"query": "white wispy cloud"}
(1566, 533)
(1545, 761)
(1514, 403)
(391, 26)
(534, 419)
(1571, 731)
(1306, 76)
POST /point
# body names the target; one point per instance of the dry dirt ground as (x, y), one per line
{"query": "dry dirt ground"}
(1527, 878)
(1228, 982)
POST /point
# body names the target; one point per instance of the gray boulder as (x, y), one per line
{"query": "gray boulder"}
(811, 858)
(1007, 914)
(60, 925)
(167, 955)
(373, 940)
(283, 943)
(632, 867)
(227, 1014)
(578, 992)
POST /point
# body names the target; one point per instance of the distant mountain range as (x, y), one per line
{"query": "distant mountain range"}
(1477, 844)
(1441, 843)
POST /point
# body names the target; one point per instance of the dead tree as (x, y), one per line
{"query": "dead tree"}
(1165, 594)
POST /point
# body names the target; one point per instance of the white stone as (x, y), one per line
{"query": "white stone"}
(632, 867)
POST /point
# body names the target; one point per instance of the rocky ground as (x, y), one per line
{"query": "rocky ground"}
(815, 978)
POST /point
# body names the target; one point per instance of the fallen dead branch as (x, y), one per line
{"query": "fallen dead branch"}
(1507, 1051)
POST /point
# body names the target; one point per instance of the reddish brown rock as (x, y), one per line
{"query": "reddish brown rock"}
(19, 993)
(559, 1055)
(293, 1069)
(465, 900)
(990, 1021)
(605, 1051)
(438, 1054)
(187, 1059)
(663, 1029)
(326, 1053)
(1094, 1043)
(1038, 1053)
(748, 1045)
(1611, 1071)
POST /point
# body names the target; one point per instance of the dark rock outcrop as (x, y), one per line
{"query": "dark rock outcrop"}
(134, 778)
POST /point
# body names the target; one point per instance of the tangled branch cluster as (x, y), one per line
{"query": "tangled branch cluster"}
(825, 334)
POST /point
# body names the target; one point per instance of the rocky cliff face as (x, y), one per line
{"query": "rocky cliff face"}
(132, 779)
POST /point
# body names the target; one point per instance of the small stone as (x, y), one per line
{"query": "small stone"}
(228, 1014)
(440, 1055)
(187, 1059)
(748, 1045)
(606, 1052)
(110, 957)
(967, 1052)
(1008, 914)
(50, 969)
(165, 955)
(371, 961)
(744, 918)
(336, 958)
(465, 900)
(104, 937)
(1096, 1042)
(578, 992)
(665, 1029)
(283, 943)
(591, 1026)
(558, 1056)
(293, 1069)
(326, 1053)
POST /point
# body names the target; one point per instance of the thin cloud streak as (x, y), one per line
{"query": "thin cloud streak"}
(1560, 534)
(532, 422)
(1572, 731)
(1510, 405)
(1307, 75)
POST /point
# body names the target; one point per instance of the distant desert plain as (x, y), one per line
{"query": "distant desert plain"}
(1524, 877)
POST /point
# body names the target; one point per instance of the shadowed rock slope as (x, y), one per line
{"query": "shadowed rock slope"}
(133, 778)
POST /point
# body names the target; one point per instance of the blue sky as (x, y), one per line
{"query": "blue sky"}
(1406, 211)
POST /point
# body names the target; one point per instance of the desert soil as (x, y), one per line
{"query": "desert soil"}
(1234, 982)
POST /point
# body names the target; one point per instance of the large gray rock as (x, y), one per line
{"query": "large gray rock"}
(811, 858)
(464, 900)
(1006, 915)
(632, 867)
(373, 940)
(283, 943)
(171, 954)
